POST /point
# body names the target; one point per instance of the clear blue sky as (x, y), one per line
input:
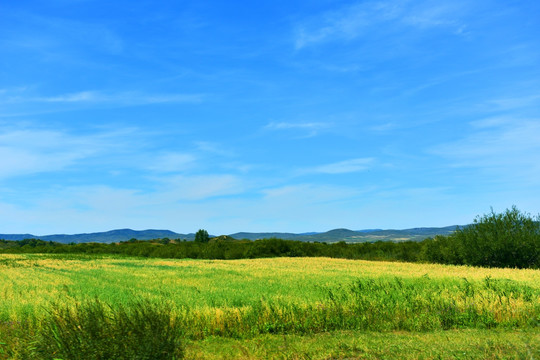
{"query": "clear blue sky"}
(266, 115)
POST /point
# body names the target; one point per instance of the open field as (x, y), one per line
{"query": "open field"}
(450, 344)
(300, 298)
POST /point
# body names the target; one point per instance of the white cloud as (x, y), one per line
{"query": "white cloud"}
(510, 103)
(214, 148)
(341, 167)
(21, 162)
(489, 123)
(172, 162)
(160, 98)
(508, 147)
(356, 20)
(298, 207)
(496, 140)
(311, 128)
(384, 127)
(286, 125)
(431, 14)
(55, 36)
(310, 193)
(100, 97)
(174, 204)
(32, 151)
(200, 187)
(84, 96)
(77, 209)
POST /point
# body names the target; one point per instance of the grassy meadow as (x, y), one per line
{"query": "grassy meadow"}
(239, 303)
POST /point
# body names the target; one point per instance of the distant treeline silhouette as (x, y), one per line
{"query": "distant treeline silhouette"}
(509, 239)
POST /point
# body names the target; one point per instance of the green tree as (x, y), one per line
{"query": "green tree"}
(202, 236)
(442, 250)
(509, 239)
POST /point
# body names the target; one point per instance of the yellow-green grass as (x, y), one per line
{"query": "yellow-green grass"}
(451, 344)
(29, 283)
(235, 303)
(216, 290)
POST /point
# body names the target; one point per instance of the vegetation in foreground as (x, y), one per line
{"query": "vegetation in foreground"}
(452, 344)
(46, 297)
(93, 330)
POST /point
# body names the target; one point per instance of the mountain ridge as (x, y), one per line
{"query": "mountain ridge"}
(334, 235)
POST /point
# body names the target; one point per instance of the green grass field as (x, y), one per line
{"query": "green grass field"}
(289, 307)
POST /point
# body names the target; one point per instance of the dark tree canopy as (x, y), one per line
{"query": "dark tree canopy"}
(509, 239)
(202, 236)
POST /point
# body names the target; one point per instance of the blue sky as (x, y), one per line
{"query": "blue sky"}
(266, 116)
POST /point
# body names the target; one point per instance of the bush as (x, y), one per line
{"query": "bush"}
(442, 250)
(509, 239)
(93, 330)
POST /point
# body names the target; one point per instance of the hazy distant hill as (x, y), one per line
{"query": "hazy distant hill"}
(17, 237)
(354, 235)
(103, 237)
(265, 235)
(329, 236)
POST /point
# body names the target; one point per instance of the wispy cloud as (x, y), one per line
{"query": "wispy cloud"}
(508, 146)
(355, 20)
(55, 36)
(200, 187)
(97, 97)
(309, 128)
(80, 209)
(84, 96)
(33, 151)
(28, 149)
(509, 103)
(285, 125)
(172, 162)
(311, 193)
(214, 148)
(341, 167)
(99, 208)
(384, 127)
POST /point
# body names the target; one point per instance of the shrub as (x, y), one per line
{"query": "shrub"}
(442, 250)
(509, 239)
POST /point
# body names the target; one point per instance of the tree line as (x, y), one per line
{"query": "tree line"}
(509, 239)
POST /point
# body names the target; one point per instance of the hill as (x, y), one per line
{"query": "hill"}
(103, 237)
(351, 236)
(369, 235)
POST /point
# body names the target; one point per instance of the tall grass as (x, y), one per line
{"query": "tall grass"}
(378, 305)
(149, 330)
(94, 330)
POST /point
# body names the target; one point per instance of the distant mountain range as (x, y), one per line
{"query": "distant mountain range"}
(350, 236)
(369, 235)
(103, 237)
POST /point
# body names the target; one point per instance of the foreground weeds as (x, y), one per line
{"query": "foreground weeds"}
(93, 330)
(452, 344)
(378, 305)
